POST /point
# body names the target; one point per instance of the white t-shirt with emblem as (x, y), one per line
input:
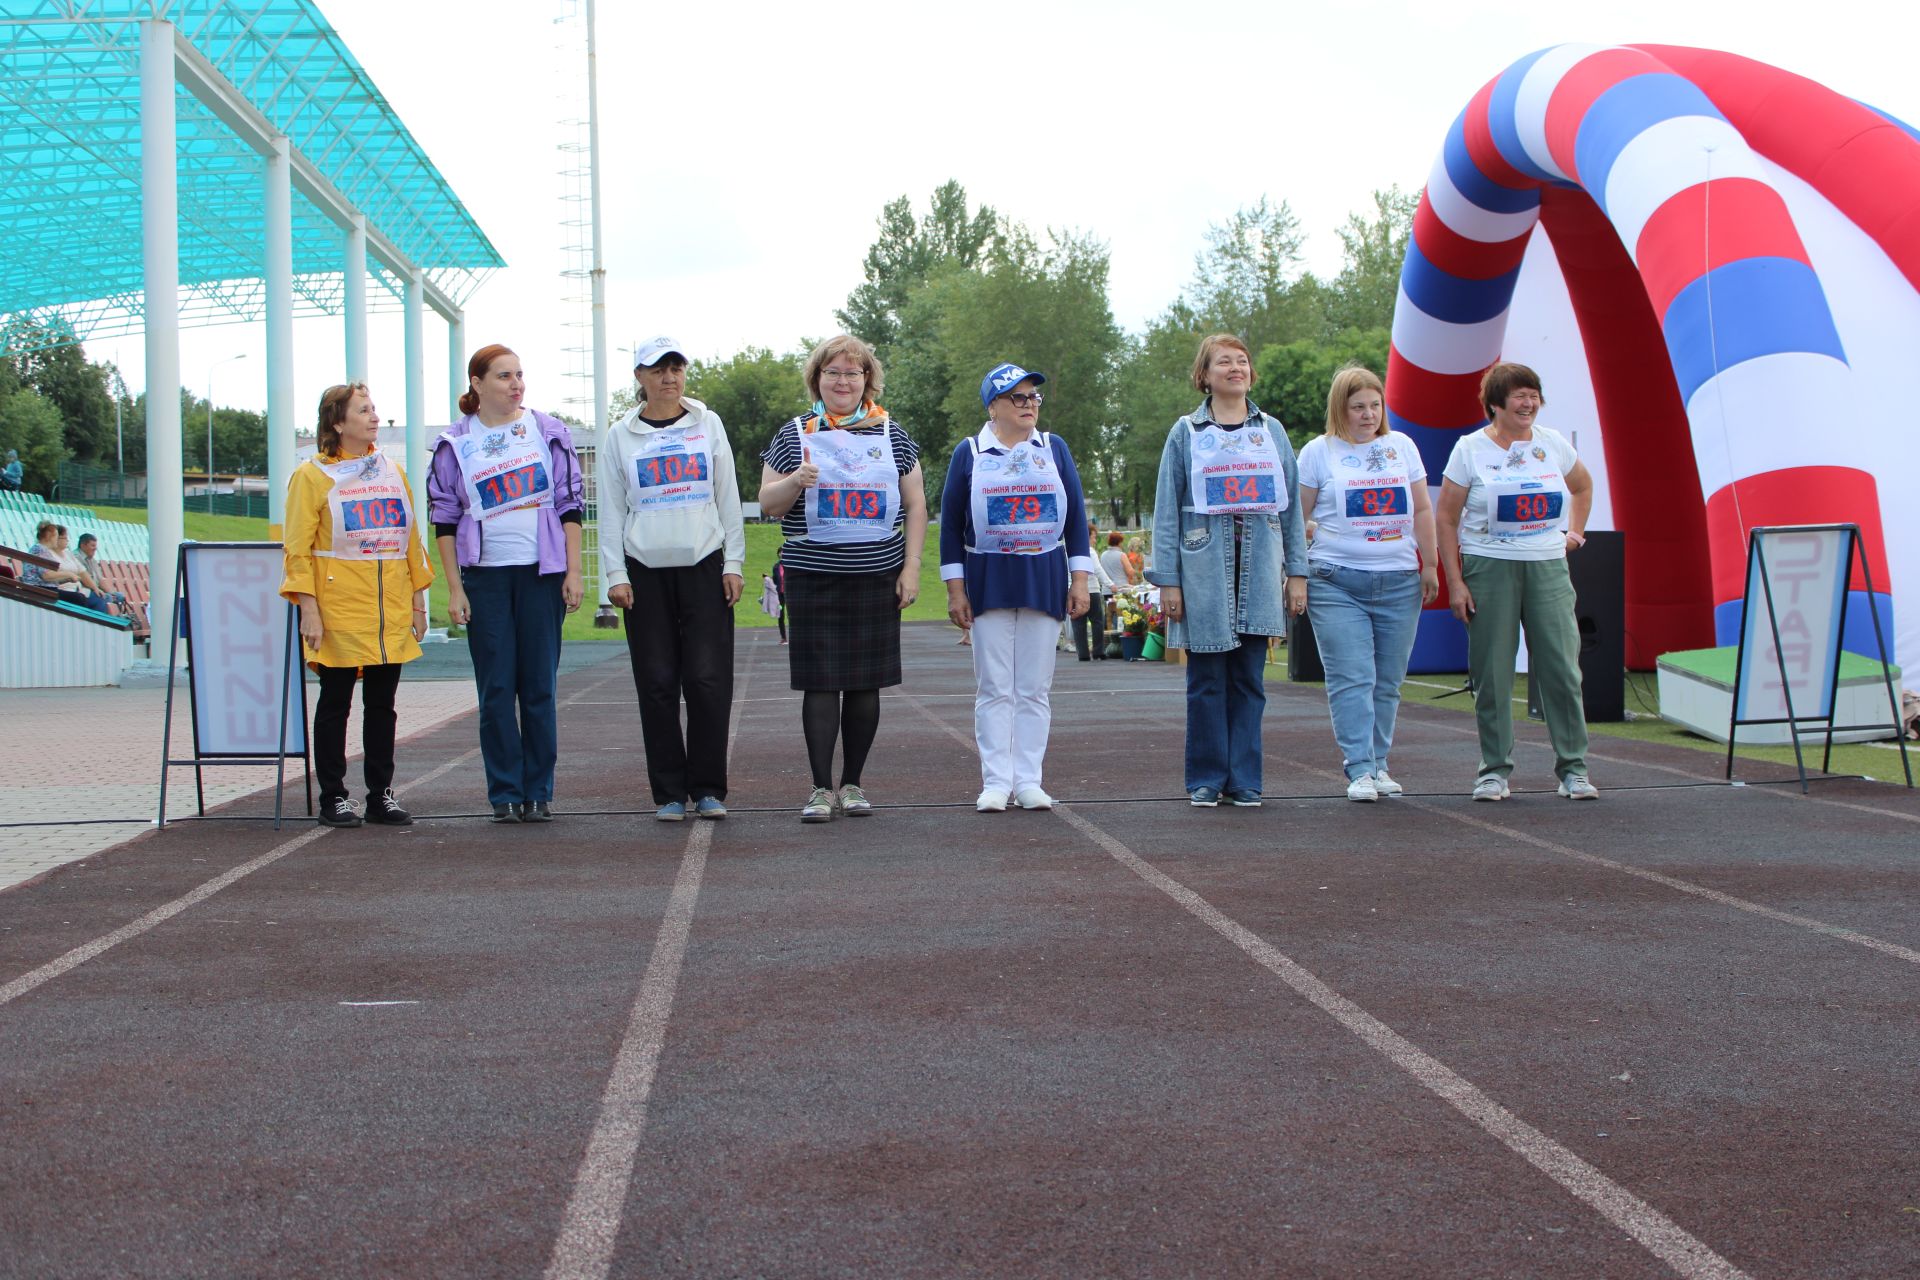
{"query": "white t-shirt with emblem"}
(1528, 480)
(1364, 508)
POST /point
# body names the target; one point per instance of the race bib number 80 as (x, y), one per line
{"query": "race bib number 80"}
(1528, 508)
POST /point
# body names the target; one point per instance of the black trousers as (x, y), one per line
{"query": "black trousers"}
(1095, 619)
(377, 721)
(680, 638)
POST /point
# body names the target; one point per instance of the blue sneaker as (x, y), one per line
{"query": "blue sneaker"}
(674, 812)
(710, 807)
(1204, 797)
(1244, 799)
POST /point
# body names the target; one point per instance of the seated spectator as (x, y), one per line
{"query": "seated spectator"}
(12, 476)
(83, 560)
(50, 542)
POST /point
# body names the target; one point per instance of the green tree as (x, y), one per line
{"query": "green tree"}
(1368, 286)
(907, 253)
(239, 437)
(1291, 379)
(1155, 390)
(30, 423)
(754, 391)
(1041, 306)
(1248, 279)
(77, 388)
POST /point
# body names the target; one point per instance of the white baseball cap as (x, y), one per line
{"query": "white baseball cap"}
(654, 350)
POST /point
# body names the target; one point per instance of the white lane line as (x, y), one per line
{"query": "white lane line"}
(1655, 1232)
(159, 915)
(583, 1250)
(373, 1004)
(166, 911)
(1892, 949)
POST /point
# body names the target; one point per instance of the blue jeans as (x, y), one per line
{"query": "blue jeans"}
(1226, 696)
(1365, 623)
(514, 639)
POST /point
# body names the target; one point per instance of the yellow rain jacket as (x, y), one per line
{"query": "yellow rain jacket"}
(366, 606)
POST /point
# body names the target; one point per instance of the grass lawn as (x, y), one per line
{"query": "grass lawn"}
(1643, 702)
(763, 543)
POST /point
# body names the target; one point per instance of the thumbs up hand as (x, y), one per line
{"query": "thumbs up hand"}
(808, 475)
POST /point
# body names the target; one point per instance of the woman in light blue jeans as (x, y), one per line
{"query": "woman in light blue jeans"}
(1365, 494)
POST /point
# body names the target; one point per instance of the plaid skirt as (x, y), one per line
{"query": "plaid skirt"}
(844, 630)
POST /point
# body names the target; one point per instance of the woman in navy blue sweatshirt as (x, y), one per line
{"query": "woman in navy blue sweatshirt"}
(1014, 556)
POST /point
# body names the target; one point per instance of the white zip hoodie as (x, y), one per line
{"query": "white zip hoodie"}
(678, 536)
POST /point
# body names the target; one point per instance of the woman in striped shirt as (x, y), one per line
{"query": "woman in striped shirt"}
(844, 480)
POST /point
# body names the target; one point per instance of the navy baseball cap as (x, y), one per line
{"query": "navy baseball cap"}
(1003, 376)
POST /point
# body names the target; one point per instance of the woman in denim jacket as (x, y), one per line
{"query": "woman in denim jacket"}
(1230, 559)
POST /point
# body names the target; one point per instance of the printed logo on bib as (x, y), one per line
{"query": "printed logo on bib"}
(1236, 472)
(369, 509)
(670, 468)
(858, 493)
(1018, 500)
(504, 468)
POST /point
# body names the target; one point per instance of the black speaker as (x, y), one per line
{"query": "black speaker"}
(1599, 573)
(1303, 653)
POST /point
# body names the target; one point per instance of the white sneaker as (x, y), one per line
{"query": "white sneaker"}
(1491, 786)
(1033, 798)
(1363, 789)
(992, 800)
(1386, 786)
(1575, 786)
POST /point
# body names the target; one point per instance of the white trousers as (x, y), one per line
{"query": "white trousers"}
(1013, 654)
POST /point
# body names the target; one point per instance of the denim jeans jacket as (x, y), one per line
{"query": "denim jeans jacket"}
(1190, 550)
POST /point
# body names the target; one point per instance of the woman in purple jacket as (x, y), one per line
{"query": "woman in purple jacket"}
(505, 497)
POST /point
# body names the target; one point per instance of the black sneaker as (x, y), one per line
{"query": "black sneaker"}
(338, 812)
(386, 810)
(536, 812)
(506, 811)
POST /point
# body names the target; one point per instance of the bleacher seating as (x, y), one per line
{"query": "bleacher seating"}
(21, 513)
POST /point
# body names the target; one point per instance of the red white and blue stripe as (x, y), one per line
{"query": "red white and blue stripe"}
(1651, 170)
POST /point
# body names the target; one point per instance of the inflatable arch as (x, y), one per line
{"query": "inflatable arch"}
(1715, 267)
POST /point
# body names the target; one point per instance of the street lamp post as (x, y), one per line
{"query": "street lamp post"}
(210, 368)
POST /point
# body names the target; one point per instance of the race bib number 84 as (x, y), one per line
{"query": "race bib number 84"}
(1237, 490)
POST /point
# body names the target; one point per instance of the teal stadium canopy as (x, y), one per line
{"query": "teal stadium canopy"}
(70, 169)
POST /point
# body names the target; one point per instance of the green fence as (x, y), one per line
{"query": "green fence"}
(84, 486)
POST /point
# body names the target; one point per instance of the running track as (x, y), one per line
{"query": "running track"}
(1671, 1033)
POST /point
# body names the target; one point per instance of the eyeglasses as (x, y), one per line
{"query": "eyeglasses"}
(843, 375)
(1021, 399)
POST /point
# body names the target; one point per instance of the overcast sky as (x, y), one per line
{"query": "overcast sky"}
(748, 147)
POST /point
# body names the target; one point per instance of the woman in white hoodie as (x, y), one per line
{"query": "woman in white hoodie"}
(671, 546)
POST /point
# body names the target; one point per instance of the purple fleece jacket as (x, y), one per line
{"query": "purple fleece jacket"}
(447, 494)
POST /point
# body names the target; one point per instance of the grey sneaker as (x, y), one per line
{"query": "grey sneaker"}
(854, 802)
(1491, 786)
(1576, 787)
(1362, 789)
(1386, 786)
(819, 806)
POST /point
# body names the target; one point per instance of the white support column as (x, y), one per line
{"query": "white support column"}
(604, 610)
(160, 255)
(280, 409)
(417, 400)
(356, 299)
(456, 364)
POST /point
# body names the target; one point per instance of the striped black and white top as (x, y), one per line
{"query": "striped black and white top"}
(887, 555)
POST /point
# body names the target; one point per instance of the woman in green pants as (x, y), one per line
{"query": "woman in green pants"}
(1513, 507)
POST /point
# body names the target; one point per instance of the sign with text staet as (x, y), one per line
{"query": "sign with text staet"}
(237, 644)
(1803, 573)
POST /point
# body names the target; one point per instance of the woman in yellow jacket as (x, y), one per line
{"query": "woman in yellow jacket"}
(358, 571)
